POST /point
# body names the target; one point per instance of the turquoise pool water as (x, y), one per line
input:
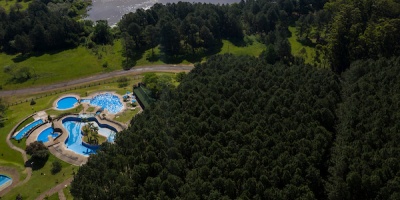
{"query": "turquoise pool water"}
(43, 136)
(27, 128)
(106, 101)
(4, 179)
(74, 141)
(66, 103)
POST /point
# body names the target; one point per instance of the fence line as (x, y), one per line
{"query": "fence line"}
(136, 77)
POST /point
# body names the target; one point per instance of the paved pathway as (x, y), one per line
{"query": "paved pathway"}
(97, 77)
(58, 188)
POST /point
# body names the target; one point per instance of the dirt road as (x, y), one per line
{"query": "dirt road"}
(55, 86)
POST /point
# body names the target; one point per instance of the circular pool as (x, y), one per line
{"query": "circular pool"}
(66, 103)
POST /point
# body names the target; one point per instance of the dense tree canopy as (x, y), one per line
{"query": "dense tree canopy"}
(234, 128)
(357, 29)
(196, 28)
(43, 26)
(365, 161)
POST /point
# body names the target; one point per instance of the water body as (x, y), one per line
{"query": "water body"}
(113, 10)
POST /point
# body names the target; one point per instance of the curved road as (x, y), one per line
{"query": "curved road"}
(55, 86)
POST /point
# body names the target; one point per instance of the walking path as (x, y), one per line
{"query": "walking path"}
(97, 77)
(58, 188)
(28, 169)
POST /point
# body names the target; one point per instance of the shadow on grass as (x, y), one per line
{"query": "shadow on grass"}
(239, 42)
(23, 57)
(36, 164)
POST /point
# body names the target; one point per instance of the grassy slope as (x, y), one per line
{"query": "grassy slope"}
(62, 66)
(297, 46)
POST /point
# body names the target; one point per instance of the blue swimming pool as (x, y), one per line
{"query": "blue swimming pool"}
(27, 128)
(4, 179)
(74, 141)
(43, 136)
(107, 101)
(66, 103)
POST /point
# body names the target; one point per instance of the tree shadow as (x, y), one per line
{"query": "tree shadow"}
(36, 164)
(22, 57)
(240, 42)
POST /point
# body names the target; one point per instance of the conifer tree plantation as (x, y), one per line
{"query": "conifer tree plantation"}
(237, 127)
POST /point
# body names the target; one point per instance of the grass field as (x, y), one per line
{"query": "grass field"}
(297, 48)
(253, 49)
(126, 116)
(69, 64)
(67, 193)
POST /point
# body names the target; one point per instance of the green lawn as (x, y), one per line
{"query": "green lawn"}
(69, 64)
(67, 193)
(52, 197)
(297, 48)
(127, 115)
(253, 49)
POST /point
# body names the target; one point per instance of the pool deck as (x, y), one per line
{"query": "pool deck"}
(57, 146)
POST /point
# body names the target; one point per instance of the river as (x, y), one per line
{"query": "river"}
(113, 10)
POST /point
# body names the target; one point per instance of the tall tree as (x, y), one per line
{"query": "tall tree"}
(102, 33)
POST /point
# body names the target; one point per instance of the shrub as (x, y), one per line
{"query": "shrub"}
(56, 167)
(33, 102)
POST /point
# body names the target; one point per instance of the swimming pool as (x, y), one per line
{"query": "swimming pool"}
(27, 128)
(74, 141)
(4, 179)
(66, 103)
(107, 101)
(43, 136)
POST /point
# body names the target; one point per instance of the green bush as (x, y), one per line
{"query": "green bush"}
(56, 167)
